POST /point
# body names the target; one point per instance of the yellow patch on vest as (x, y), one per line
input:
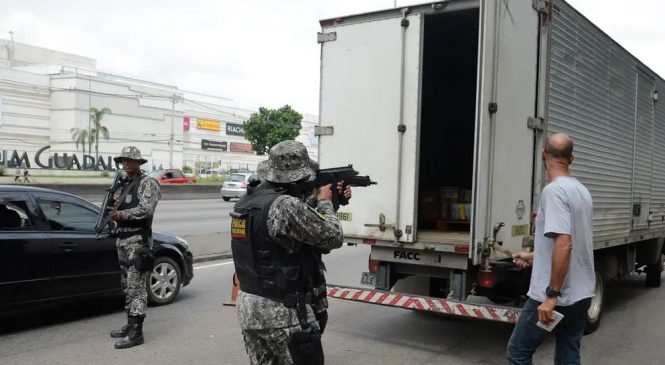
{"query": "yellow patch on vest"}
(238, 228)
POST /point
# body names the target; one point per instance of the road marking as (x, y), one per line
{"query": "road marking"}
(213, 265)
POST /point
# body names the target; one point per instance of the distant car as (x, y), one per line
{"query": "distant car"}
(236, 185)
(49, 252)
(171, 176)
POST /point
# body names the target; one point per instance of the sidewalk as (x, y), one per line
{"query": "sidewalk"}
(59, 180)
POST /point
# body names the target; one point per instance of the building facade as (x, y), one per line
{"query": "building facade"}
(45, 96)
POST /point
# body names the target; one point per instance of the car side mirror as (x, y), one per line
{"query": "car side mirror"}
(113, 229)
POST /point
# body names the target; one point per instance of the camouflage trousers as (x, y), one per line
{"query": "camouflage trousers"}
(271, 346)
(132, 281)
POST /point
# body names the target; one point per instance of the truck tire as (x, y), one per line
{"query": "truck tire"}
(654, 273)
(596, 308)
(226, 198)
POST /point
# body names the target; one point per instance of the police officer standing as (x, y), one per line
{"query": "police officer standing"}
(276, 241)
(134, 207)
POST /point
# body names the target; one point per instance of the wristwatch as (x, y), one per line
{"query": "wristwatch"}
(551, 293)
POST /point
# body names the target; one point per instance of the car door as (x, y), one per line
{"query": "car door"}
(26, 252)
(179, 178)
(167, 178)
(85, 264)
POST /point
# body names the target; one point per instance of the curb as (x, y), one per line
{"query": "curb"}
(214, 256)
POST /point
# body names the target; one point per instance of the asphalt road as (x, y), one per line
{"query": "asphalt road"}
(188, 218)
(196, 329)
(204, 223)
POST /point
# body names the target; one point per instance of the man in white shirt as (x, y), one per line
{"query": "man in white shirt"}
(563, 277)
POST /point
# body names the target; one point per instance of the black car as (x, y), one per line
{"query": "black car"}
(49, 251)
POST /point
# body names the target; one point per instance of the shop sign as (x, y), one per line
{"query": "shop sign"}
(209, 125)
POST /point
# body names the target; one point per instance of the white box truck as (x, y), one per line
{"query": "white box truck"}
(447, 105)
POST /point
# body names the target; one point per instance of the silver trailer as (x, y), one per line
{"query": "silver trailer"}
(447, 105)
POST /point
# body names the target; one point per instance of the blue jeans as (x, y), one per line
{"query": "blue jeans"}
(527, 336)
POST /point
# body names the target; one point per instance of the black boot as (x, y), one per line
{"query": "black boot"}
(123, 331)
(134, 335)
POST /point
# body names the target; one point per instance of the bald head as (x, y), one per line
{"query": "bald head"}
(559, 146)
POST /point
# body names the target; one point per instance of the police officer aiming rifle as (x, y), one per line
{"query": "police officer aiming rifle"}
(276, 242)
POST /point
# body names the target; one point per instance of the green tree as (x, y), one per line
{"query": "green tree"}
(96, 116)
(79, 136)
(268, 127)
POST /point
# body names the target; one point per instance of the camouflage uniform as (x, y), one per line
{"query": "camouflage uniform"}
(135, 208)
(267, 325)
(132, 280)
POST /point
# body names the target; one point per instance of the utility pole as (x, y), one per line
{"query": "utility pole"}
(10, 49)
(172, 138)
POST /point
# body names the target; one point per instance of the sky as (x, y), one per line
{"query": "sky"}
(255, 52)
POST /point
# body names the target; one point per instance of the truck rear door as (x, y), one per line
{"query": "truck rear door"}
(507, 98)
(369, 108)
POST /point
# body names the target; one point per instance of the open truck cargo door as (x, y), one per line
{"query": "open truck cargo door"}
(508, 122)
(370, 67)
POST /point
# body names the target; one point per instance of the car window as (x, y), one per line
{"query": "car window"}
(237, 178)
(154, 174)
(64, 216)
(14, 215)
(177, 175)
(168, 175)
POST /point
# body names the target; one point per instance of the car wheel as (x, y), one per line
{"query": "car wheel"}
(163, 283)
(226, 198)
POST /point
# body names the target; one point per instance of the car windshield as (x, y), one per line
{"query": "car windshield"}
(154, 174)
(237, 177)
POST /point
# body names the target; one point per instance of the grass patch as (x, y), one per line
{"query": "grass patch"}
(211, 180)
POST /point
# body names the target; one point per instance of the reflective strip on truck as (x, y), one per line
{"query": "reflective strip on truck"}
(427, 304)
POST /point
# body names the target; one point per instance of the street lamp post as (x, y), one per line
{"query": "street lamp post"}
(172, 137)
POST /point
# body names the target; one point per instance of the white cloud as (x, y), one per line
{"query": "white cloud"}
(260, 52)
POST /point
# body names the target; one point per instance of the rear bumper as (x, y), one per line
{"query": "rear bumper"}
(233, 193)
(426, 304)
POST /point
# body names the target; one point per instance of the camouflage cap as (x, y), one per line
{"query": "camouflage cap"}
(130, 153)
(287, 162)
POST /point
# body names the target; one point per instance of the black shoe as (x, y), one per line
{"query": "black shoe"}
(134, 335)
(121, 332)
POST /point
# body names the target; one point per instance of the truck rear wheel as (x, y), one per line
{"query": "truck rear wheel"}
(654, 273)
(596, 308)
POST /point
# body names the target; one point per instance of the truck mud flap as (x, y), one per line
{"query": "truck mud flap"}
(426, 304)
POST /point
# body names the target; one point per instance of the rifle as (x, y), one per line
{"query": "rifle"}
(103, 217)
(345, 174)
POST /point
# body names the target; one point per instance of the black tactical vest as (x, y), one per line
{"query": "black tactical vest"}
(131, 200)
(265, 268)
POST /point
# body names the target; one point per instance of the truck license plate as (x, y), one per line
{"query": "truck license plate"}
(368, 278)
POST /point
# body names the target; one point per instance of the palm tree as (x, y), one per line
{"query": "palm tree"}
(79, 136)
(96, 116)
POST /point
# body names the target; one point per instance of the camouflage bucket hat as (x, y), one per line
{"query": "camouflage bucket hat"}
(130, 153)
(287, 162)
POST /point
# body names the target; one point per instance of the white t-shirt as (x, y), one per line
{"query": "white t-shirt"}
(565, 208)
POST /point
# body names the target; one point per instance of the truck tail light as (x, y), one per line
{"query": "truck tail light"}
(243, 185)
(486, 278)
(373, 265)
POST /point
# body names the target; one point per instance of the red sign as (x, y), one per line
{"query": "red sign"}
(241, 147)
(185, 124)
